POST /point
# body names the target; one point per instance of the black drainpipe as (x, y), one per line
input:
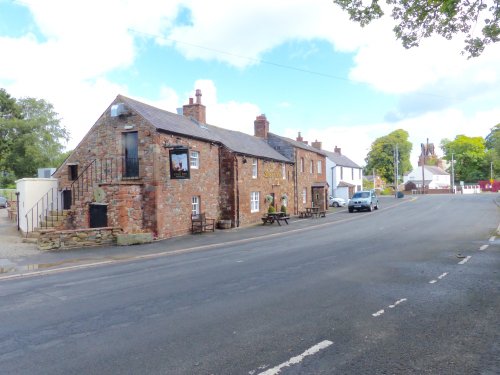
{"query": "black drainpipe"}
(237, 192)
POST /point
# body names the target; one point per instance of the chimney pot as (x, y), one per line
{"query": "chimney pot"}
(195, 110)
(261, 126)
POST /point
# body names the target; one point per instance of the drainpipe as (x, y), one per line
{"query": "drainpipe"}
(296, 198)
(237, 192)
(332, 168)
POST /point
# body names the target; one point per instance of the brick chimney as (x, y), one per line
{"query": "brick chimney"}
(316, 144)
(338, 150)
(195, 110)
(261, 126)
(300, 139)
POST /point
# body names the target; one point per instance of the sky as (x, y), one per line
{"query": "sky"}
(302, 63)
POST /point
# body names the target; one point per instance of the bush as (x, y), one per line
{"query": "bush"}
(283, 209)
(271, 209)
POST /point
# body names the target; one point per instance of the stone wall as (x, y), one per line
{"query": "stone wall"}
(67, 239)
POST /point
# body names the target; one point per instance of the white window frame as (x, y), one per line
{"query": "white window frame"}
(302, 165)
(311, 167)
(195, 205)
(320, 166)
(304, 195)
(283, 171)
(194, 159)
(255, 168)
(254, 201)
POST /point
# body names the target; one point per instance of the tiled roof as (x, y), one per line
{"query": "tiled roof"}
(300, 144)
(436, 170)
(341, 160)
(170, 122)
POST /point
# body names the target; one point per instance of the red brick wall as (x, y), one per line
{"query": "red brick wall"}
(306, 179)
(269, 180)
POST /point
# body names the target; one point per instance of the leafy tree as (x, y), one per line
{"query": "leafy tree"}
(419, 19)
(8, 106)
(31, 140)
(493, 147)
(470, 155)
(381, 155)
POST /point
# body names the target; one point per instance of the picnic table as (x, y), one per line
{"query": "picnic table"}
(272, 217)
(312, 212)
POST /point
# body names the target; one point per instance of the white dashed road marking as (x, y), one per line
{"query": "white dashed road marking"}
(442, 275)
(484, 247)
(380, 312)
(432, 281)
(465, 260)
(492, 239)
(294, 360)
(397, 303)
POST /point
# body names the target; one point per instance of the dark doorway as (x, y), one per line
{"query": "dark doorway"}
(131, 153)
(98, 215)
(66, 195)
(72, 172)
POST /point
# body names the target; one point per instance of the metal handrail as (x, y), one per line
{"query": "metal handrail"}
(41, 210)
(96, 171)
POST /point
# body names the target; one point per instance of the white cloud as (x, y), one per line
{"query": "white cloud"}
(230, 115)
(355, 141)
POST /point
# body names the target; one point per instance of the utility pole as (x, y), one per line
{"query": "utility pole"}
(452, 173)
(424, 152)
(396, 171)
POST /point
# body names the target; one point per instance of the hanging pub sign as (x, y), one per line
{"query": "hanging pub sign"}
(179, 163)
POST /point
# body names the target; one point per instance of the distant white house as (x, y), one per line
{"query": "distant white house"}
(343, 175)
(434, 177)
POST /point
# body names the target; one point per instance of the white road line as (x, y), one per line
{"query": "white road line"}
(484, 247)
(492, 239)
(378, 313)
(432, 281)
(442, 275)
(294, 360)
(397, 303)
(465, 260)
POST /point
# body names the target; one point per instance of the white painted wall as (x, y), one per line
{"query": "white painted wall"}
(335, 174)
(31, 190)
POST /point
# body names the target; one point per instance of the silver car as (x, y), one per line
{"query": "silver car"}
(3, 202)
(363, 200)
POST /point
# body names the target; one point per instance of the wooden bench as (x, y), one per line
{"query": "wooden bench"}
(200, 223)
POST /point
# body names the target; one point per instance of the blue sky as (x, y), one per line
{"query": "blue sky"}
(302, 63)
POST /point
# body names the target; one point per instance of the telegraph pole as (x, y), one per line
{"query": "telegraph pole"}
(452, 173)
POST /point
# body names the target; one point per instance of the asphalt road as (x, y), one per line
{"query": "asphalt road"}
(408, 289)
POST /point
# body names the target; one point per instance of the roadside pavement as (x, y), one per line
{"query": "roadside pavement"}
(17, 257)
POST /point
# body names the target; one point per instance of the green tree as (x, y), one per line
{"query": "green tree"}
(32, 140)
(8, 106)
(381, 155)
(493, 146)
(419, 19)
(470, 155)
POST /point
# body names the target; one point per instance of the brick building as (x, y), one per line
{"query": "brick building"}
(144, 169)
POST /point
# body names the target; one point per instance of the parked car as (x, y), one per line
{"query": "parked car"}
(3, 202)
(363, 200)
(337, 202)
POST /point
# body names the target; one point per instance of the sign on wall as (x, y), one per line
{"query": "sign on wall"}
(179, 163)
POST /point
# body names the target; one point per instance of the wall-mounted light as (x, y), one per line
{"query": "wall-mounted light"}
(244, 160)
